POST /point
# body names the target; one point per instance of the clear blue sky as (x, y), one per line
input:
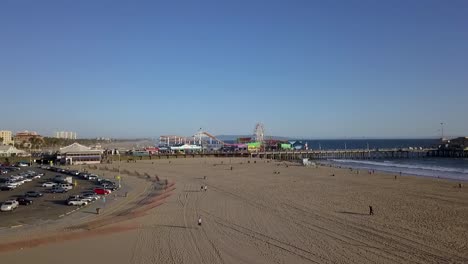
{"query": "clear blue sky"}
(315, 69)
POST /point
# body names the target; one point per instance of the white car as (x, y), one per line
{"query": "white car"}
(79, 202)
(65, 186)
(49, 184)
(89, 197)
(92, 177)
(9, 205)
(38, 176)
(13, 183)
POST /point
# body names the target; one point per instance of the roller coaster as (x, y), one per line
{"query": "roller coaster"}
(201, 138)
(204, 138)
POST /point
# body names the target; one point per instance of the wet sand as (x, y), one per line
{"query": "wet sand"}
(252, 214)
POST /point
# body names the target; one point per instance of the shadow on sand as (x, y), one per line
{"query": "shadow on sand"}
(170, 226)
(351, 213)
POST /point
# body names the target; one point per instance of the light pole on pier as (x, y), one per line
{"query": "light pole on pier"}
(442, 130)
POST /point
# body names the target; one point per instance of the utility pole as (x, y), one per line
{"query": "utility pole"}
(442, 130)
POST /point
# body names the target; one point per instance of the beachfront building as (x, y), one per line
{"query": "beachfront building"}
(10, 151)
(27, 136)
(76, 154)
(254, 146)
(6, 137)
(460, 143)
(65, 135)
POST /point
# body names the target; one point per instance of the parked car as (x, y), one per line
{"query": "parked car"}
(33, 194)
(74, 172)
(49, 184)
(111, 187)
(92, 177)
(7, 187)
(77, 201)
(102, 191)
(24, 201)
(65, 186)
(14, 183)
(9, 205)
(38, 176)
(89, 197)
(57, 189)
(28, 179)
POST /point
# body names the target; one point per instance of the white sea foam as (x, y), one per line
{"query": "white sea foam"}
(412, 168)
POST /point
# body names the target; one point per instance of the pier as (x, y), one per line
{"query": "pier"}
(361, 154)
(358, 154)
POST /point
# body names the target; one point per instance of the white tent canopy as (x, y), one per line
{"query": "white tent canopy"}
(186, 147)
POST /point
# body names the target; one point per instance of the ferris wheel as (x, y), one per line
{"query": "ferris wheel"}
(259, 132)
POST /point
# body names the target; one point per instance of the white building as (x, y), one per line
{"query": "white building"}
(7, 137)
(65, 134)
(76, 154)
(9, 151)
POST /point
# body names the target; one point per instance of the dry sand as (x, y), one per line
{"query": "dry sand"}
(253, 215)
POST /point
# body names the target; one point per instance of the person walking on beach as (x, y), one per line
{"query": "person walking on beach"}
(199, 220)
(371, 211)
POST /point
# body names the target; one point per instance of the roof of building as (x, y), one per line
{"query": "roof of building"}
(5, 148)
(76, 147)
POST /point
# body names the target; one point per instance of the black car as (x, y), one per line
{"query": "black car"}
(6, 188)
(73, 172)
(24, 201)
(33, 194)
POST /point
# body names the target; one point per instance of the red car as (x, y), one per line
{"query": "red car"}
(102, 191)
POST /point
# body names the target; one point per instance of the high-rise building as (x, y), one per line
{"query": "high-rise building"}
(6, 137)
(65, 134)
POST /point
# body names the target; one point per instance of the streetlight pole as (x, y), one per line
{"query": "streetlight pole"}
(119, 172)
(442, 130)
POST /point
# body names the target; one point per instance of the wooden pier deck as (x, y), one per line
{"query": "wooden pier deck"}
(361, 154)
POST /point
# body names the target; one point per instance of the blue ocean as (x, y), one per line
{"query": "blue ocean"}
(448, 168)
(331, 144)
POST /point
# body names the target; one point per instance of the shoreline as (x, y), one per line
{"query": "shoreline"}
(366, 165)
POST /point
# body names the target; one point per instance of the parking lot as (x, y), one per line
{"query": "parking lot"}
(49, 206)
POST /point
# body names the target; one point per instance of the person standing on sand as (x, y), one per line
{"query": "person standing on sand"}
(199, 220)
(206, 188)
(371, 211)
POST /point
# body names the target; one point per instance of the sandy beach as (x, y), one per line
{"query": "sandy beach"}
(262, 212)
